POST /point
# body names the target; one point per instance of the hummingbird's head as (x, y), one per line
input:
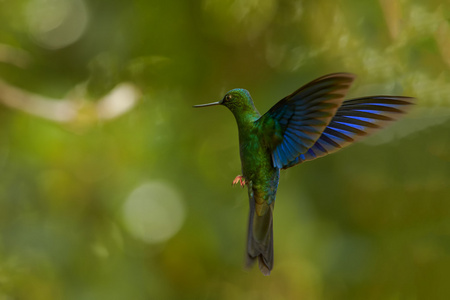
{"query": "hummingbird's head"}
(236, 100)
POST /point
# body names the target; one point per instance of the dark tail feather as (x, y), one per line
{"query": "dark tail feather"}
(260, 238)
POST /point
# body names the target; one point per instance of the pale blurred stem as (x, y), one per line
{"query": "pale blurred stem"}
(52, 109)
(393, 16)
(117, 102)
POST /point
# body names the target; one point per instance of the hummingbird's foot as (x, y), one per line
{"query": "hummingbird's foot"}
(239, 179)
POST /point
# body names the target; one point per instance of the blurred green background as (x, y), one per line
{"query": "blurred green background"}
(113, 187)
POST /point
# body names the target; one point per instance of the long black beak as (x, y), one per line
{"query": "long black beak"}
(209, 104)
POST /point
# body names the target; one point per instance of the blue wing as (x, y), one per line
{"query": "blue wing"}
(354, 120)
(295, 123)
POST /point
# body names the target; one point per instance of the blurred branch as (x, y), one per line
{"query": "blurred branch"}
(442, 38)
(51, 109)
(393, 16)
(120, 100)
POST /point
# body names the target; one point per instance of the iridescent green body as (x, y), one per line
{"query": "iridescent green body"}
(260, 176)
(256, 157)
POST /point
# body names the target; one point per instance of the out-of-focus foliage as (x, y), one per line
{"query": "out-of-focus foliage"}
(113, 187)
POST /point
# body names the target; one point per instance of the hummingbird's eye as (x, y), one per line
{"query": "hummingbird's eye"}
(228, 97)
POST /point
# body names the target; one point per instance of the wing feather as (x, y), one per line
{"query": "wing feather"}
(301, 117)
(354, 120)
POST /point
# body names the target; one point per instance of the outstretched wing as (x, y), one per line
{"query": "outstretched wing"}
(295, 123)
(354, 120)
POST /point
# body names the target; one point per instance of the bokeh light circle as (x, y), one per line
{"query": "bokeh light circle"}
(154, 212)
(55, 24)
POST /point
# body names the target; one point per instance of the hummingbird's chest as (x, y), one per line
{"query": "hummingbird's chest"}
(256, 159)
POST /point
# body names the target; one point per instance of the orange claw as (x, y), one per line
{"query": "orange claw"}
(239, 179)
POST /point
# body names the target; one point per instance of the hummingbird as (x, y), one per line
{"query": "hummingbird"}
(312, 122)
